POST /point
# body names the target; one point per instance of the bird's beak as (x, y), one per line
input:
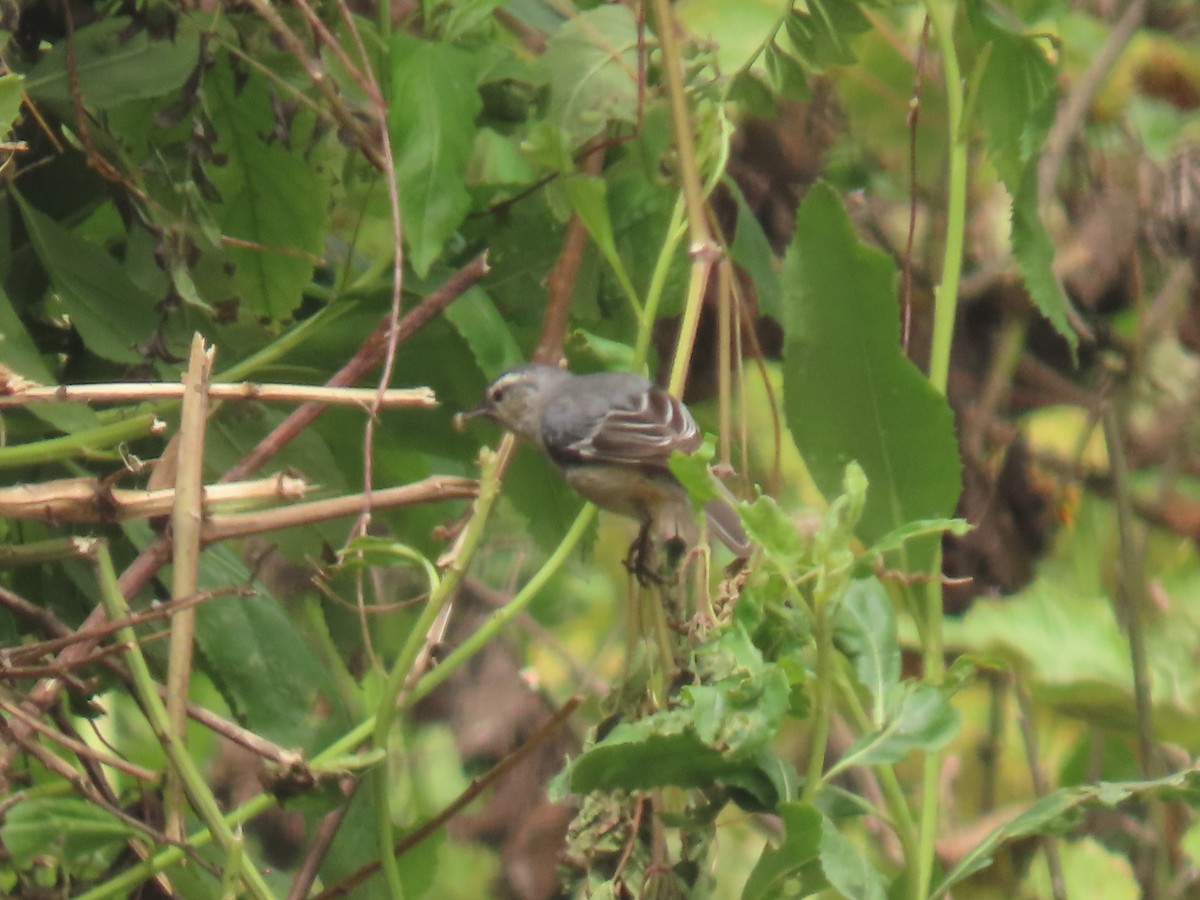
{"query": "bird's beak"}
(461, 419)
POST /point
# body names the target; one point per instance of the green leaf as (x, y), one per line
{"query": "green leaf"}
(115, 62)
(1033, 249)
(801, 844)
(691, 469)
(476, 318)
(48, 824)
(257, 656)
(850, 394)
(898, 537)
(589, 199)
(272, 198)
(752, 251)
(591, 66)
(738, 30)
(821, 34)
(1017, 80)
(922, 719)
(431, 118)
(772, 529)
(1088, 869)
(787, 76)
(630, 759)
(19, 354)
(865, 627)
(1016, 103)
(752, 96)
(10, 101)
(1052, 809)
(846, 868)
(93, 288)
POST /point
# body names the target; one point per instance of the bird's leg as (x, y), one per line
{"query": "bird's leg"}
(640, 556)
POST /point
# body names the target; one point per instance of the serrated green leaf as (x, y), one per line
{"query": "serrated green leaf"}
(272, 198)
(591, 66)
(114, 62)
(47, 824)
(865, 628)
(847, 869)
(920, 719)
(92, 285)
(1033, 249)
(1014, 86)
(776, 865)
(1015, 104)
(1051, 809)
(431, 118)
(850, 393)
(476, 318)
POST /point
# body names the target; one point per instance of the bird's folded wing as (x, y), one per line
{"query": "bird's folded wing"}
(645, 432)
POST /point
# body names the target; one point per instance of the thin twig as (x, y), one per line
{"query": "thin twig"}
(1040, 789)
(430, 490)
(394, 398)
(156, 554)
(367, 357)
(307, 873)
(77, 747)
(1071, 113)
(1131, 591)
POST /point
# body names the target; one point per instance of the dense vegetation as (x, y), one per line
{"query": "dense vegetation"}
(928, 274)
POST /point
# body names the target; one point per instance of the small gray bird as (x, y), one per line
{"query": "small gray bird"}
(610, 434)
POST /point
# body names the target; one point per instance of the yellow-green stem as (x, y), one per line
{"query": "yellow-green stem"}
(941, 14)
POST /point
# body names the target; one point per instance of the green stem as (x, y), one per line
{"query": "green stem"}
(823, 698)
(941, 14)
(130, 878)
(197, 790)
(893, 794)
(501, 617)
(658, 280)
(81, 443)
(441, 590)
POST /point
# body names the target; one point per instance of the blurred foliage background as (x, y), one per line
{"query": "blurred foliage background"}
(930, 276)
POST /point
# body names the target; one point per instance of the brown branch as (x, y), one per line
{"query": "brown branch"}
(79, 748)
(155, 554)
(429, 490)
(330, 823)
(560, 283)
(368, 355)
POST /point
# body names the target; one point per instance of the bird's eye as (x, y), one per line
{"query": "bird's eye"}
(498, 393)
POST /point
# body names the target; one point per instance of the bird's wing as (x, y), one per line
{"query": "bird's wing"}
(643, 428)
